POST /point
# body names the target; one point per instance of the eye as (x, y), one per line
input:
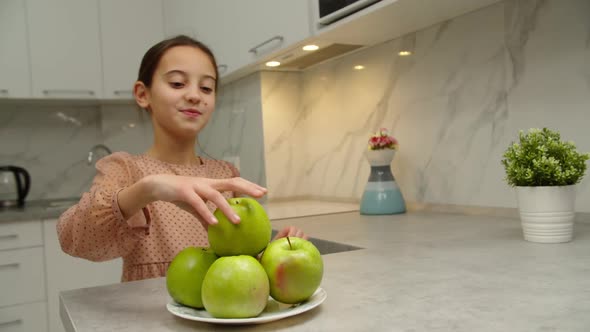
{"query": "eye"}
(177, 85)
(206, 89)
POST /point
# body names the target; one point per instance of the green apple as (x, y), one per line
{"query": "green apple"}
(235, 287)
(186, 273)
(294, 267)
(249, 237)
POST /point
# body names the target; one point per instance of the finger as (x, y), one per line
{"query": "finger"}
(202, 221)
(239, 185)
(299, 233)
(282, 233)
(221, 202)
(293, 232)
(188, 208)
(201, 208)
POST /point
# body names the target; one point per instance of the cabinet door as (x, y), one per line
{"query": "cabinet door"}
(268, 26)
(20, 234)
(231, 28)
(210, 22)
(65, 48)
(15, 77)
(21, 276)
(128, 29)
(24, 318)
(65, 272)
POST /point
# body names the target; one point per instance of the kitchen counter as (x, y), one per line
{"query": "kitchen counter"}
(37, 209)
(419, 271)
(53, 208)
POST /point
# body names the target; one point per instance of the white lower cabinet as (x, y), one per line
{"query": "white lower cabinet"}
(22, 276)
(30, 317)
(65, 272)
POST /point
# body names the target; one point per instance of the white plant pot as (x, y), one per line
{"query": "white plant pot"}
(547, 213)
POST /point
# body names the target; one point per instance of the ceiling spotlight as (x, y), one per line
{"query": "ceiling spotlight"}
(311, 48)
(273, 64)
(359, 67)
(404, 53)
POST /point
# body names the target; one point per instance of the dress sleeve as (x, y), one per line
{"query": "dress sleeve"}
(94, 228)
(234, 171)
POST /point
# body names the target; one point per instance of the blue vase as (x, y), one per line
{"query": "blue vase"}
(381, 195)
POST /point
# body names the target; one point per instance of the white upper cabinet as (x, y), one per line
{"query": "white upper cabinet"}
(264, 27)
(128, 29)
(209, 22)
(65, 48)
(15, 76)
(240, 33)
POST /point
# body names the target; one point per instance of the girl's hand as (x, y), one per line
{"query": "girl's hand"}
(290, 231)
(191, 193)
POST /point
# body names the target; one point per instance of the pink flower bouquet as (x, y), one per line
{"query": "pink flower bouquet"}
(381, 140)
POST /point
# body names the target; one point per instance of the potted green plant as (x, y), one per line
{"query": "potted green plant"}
(544, 170)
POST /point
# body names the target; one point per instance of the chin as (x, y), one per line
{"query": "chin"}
(191, 131)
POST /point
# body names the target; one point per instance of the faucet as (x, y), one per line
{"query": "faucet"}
(95, 149)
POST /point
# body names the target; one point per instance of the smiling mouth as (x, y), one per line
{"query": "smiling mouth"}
(191, 112)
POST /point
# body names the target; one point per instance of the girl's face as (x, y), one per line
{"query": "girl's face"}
(182, 96)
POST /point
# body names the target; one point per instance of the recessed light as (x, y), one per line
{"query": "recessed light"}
(273, 64)
(359, 67)
(404, 53)
(311, 48)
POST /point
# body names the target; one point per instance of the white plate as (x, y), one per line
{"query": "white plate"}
(274, 311)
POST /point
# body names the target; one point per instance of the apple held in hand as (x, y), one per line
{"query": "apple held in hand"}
(249, 237)
(294, 267)
(235, 287)
(186, 273)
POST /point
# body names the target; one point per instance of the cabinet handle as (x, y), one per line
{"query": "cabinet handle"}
(10, 322)
(8, 236)
(66, 91)
(123, 92)
(222, 68)
(9, 265)
(255, 48)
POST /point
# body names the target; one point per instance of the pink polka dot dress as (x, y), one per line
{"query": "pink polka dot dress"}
(95, 229)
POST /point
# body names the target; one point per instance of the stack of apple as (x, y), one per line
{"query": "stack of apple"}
(229, 281)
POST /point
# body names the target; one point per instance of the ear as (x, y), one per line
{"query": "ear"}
(142, 95)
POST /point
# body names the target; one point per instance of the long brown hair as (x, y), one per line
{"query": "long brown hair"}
(152, 57)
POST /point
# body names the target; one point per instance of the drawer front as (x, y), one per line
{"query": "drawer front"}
(20, 234)
(29, 317)
(22, 276)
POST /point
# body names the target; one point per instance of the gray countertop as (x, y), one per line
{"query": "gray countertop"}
(37, 209)
(418, 272)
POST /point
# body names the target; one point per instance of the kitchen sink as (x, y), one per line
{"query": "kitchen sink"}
(328, 247)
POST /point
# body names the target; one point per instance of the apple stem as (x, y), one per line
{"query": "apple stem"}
(290, 247)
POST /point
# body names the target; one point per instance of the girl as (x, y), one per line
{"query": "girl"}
(146, 208)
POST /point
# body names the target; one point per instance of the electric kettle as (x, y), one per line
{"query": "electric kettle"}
(15, 183)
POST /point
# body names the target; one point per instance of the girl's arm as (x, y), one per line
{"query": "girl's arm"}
(95, 228)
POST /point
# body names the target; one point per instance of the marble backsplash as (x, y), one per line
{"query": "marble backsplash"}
(454, 105)
(52, 140)
(52, 144)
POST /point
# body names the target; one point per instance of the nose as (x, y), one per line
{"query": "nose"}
(193, 95)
